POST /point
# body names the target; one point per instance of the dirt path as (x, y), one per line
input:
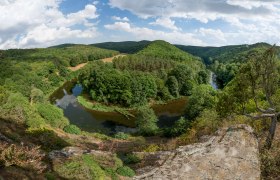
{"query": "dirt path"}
(79, 66)
(106, 60)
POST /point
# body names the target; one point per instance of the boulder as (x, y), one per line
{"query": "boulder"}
(231, 154)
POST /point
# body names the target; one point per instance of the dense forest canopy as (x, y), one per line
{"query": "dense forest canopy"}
(28, 76)
(225, 61)
(158, 72)
(129, 47)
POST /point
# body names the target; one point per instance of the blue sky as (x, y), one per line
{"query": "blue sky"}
(42, 23)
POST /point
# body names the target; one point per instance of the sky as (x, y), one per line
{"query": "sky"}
(43, 23)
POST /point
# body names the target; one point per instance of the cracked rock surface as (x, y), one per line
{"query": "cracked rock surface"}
(231, 154)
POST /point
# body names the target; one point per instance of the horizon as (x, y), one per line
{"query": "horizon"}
(55, 45)
(40, 24)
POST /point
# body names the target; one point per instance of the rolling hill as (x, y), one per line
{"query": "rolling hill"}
(129, 47)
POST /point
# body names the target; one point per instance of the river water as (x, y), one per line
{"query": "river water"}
(109, 122)
(213, 81)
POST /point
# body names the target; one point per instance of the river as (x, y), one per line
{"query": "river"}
(109, 122)
(213, 81)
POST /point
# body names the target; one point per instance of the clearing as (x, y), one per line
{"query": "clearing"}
(106, 60)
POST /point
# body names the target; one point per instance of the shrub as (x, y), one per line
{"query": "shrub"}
(126, 171)
(121, 135)
(83, 167)
(131, 159)
(152, 148)
(112, 173)
(72, 129)
(146, 121)
(181, 126)
(203, 97)
(208, 122)
(270, 162)
(47, 139)
(29, 158)
(53, 115)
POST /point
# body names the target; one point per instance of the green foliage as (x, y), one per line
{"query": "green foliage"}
(124, 47)
(152, 148)
(53, 115)
(121, 135)
(225, 61)
(158, 72)
(36, 96)
(108, 85)
(203, 97)
(270, 162)
(205, 124)
(180, 127)
(84, 167)
(142, 63)
(208, 122)
(72, 129)
(146, 121)
(112, 173)
(256, 82)
(47, 139)
(126, 171)
(162, 49)
(131, 159)
(173, 86)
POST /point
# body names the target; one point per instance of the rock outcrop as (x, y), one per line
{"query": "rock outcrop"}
(231, 154)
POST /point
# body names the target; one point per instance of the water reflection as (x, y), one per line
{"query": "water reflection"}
(109, 122)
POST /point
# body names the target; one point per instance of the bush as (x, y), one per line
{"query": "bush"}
(53, 115)
(180, 127)
(132, 159)
(270, 162)
(126, 171)
(207, 123)
(146, 121)
(203, 97)
(112, 173)
(29, 158)
(80, 168)
(72, 129)
(47, 139)
(152, 148)
(121, 135)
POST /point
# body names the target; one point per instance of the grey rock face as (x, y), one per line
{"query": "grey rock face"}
(231, 154)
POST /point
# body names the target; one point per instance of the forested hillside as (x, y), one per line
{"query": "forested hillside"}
(129, 47)
(225, 61)
(158, 72)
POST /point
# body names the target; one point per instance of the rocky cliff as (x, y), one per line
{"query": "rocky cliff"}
(231, 154)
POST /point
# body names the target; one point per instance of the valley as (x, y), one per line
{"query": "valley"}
(110, 108)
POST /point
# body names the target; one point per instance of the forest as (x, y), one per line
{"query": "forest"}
(151, 73)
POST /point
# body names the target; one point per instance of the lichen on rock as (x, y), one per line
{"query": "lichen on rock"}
(232, 153)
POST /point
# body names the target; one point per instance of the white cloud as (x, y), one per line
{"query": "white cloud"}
(140, 33)
(28, 23)
(241, 21)
(116, 18)
(166, 22)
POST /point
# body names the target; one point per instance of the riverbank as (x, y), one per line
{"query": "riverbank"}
(174, 107)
